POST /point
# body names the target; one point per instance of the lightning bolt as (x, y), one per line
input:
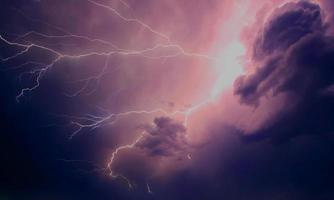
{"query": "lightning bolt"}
(92, 121)
(113, 156)
(59, 55)
(137, 21)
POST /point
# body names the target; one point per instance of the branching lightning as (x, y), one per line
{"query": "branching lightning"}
(90, 121)
(59, 56)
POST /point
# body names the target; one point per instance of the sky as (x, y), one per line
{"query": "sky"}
(168, 99)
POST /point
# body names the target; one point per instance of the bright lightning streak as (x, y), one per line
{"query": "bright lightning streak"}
(150, 29)
(139, 22)
(67, 36)
(59, 55)
(113, 156)
(96, 121)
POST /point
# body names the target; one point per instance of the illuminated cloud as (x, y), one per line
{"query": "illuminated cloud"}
(293, 55)
(165, 138)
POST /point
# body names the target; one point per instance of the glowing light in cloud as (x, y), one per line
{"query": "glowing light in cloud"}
(228, 67)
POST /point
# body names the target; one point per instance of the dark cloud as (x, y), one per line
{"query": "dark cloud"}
(286, 26)
(295, 56)
(165, 138)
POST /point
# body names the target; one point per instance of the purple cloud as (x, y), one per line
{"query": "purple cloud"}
(294, 55)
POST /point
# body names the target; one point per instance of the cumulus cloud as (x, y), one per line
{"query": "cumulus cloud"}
(166, 137)
(294, 55)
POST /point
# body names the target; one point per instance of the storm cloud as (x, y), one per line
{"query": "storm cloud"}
(165, 138)
(294, 56)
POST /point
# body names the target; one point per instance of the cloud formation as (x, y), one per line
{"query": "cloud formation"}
(165, 138)
(293, 55)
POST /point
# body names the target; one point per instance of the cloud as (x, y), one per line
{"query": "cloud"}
(165, 138)
(286, 26)
(293, 55)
